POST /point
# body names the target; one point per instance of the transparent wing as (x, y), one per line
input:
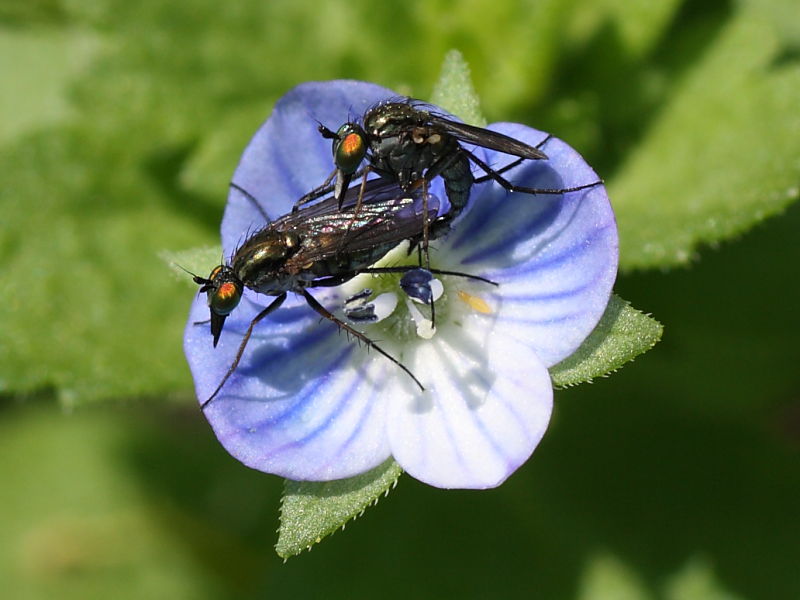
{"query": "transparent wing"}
(386, 216)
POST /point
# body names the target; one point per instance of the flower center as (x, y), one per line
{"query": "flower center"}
(411, 305)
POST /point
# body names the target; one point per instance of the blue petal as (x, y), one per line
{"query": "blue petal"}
(554, 256)
(303, 402)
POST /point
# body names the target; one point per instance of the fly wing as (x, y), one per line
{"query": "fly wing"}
(387, 216)
(376, 190)
(487, 138)
(389, 220)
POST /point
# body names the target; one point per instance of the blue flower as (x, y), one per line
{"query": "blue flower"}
(306, 403)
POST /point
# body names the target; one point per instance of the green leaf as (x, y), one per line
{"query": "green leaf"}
(638, 24)
(722, 155)
(43, 64)
(211, 165)
(454, 91)
(198, 261)
(608, 578)
(622, 334)
(89, 308)
(312, 510)
(697, 580)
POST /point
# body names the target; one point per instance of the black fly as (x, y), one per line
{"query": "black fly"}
(406, 142)
(322, 245)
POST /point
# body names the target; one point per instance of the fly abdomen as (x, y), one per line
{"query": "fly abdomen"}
(458, 180)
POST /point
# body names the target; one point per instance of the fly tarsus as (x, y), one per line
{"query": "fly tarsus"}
(324, 312)
(270, 308)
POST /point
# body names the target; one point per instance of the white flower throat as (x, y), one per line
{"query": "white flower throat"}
(388, 307)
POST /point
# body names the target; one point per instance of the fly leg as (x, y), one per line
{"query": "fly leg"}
(514, 163)
(272, 307)
(454, 169)
(407, 268)
(510, 187)
(359, 203)
(313, 303)
(425, 249)
(326, 188)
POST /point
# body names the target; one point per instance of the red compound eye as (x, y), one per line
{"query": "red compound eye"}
(349, 147)
(226, 298)
(352, 144)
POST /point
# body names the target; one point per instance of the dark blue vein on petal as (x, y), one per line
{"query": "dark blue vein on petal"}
(370, 403)
(555, 261)
(508, 405)
(542, 322)
(455, 376)
(330, 419)
(511, 463)
(307, 393)
(545, 297)
(478, 225)
(297, 344)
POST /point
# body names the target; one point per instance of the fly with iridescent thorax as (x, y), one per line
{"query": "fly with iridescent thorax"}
(322, 245)
(409, 142)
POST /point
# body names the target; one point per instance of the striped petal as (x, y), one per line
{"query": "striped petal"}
(486, 407)
(303, 402)
(555, 256)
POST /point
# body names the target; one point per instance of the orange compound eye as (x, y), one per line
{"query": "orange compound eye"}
(349, 147)
(224, 290)
(226, 298)
(352, 144)
(227, 291)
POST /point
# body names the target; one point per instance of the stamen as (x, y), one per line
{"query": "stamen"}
(359, 309)
(475, 303)
(425, 328)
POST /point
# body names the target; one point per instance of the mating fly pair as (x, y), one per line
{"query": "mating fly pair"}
(329, 242)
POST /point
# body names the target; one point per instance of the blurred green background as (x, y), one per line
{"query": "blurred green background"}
(677, 478)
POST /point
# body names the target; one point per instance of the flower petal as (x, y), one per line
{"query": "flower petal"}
(287, 156)
(554, 256)
(299, 404)
(483, 413)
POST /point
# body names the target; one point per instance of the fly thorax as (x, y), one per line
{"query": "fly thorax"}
(389, 119)
(260, 262)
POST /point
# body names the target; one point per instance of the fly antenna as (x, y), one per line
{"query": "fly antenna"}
(196, 278)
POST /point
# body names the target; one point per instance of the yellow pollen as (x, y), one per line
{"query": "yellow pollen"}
(475, 303)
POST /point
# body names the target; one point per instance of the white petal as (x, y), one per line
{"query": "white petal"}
(483, 412)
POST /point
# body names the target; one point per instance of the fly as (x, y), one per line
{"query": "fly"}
(322, 245)
(411, 145)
